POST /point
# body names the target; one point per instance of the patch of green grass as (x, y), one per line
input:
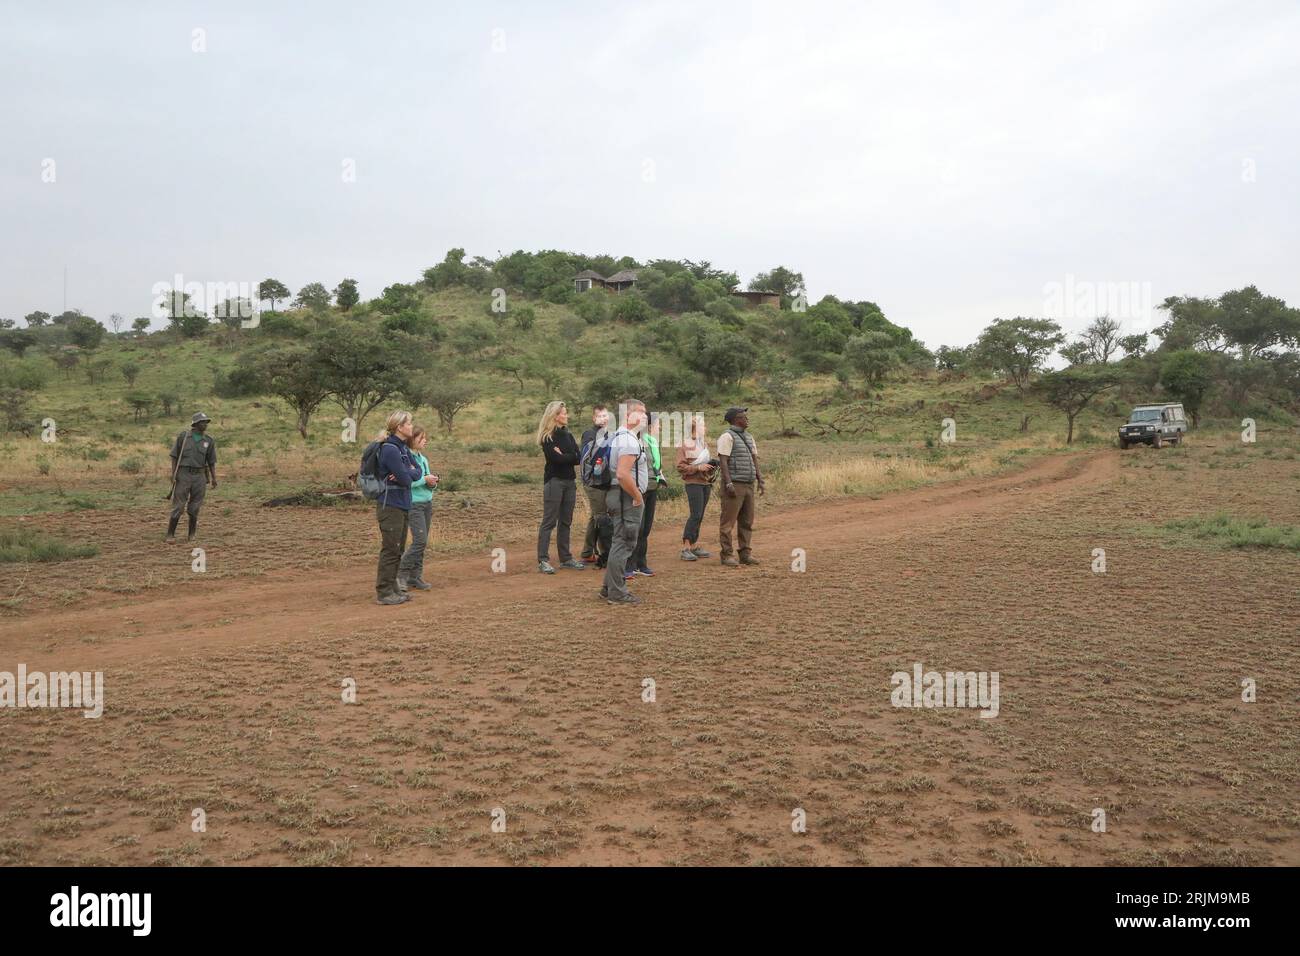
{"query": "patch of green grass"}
(1231, 532)
(517, 478)
(24, 545)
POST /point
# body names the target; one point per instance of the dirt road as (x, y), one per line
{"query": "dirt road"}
(522, 695)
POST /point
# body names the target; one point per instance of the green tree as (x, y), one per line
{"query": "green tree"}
(398, 297)
(130, 371)
(141, 324)
(1134, 345)
(1017, 348)
(95, 370)
(291, 373)
(777, 389)
(360, 370)
(346, 295)
(951, 358)
(85, 332)
(1188, 376)
(183, 316)
(449, 397)
(17, 341)
(1243, 319)
(1072, 389)
(272, 289)
(451, 271)
(871, 355)
(35, 320)
(785, 281)
(1102, 339)
(313, 296)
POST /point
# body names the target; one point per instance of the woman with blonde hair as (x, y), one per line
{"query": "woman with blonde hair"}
(559, 487)
(393, 506)
(698, 471)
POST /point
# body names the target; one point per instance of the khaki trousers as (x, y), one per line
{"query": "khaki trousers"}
(738, 513)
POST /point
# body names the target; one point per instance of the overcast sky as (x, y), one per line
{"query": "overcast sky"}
(949, 161)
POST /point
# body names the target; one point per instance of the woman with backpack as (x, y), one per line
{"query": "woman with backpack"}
(559, 488)
(398, 472)
(698, 471)
(410, 573)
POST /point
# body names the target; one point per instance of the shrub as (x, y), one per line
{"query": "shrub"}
(25, 544)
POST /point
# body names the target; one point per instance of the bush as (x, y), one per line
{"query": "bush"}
(132, 466)
(242, 381)
(24, 544)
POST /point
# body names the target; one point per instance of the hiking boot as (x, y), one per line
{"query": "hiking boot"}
(628, 575)
(589, 559)
(603, 594)
(630, 599)
(689, 555)
(573, 565)
(392, 599)
(545, 567)
(401, 584)
(419, 584)
(645, 572)
(171, 539)
(700, 553)
(730, 563)
(749, 559)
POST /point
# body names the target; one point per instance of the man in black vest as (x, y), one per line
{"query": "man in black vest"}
(738, 457)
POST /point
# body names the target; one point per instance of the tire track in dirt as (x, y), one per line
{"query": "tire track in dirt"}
(232, 614)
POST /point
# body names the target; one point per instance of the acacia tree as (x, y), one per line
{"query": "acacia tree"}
(1072, 389)
(272, 289)
(291, 373)
(1102, 339)
(1244, 319)
(360, 370)
(1017, 347)
(449, 397)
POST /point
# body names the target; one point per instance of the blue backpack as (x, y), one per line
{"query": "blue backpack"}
(596, 469)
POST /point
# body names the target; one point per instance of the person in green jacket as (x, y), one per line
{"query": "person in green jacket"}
(650, 442)
(410, 573)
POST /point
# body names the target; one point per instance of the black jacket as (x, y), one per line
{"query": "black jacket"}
(561, 454)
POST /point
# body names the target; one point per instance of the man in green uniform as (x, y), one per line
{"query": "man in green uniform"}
(194, 457)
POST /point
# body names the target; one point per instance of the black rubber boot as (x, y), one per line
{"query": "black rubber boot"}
(194, 523)
(171, 529)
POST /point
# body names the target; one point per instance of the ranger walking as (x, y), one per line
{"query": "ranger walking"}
(194, 458)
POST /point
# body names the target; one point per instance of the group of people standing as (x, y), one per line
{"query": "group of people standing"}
(622, 491)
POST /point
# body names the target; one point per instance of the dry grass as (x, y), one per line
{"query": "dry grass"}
(881, 473)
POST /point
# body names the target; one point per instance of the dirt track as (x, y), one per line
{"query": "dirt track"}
(523, 692)
(240, 613)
